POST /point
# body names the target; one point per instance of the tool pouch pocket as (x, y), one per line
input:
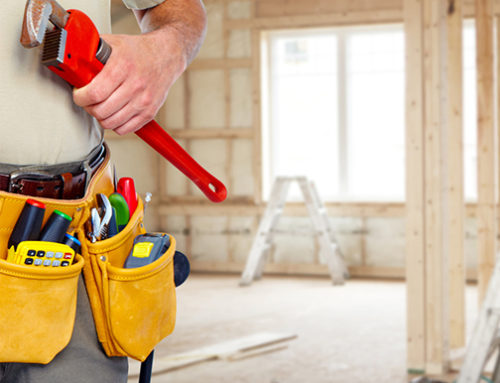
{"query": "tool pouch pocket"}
(134, 309)
(38, 308)
(37, 303)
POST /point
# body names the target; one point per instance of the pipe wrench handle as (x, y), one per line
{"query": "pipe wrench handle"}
(154, 135)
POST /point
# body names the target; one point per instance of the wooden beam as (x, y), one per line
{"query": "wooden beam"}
(224, 63)
(436, 245)
(209, 133)
(455, 233)
(331, 19)
(195, 134)
(415, 212)
(434, 190)
(181, 206)
(199, 206)
(227, 122)
(300, 269)
(257, 116)
(486, 140)
(397, 273)
(497, 69)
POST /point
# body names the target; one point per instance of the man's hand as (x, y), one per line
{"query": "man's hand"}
(135, 81)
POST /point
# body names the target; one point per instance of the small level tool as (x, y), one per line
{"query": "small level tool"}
(74, 51)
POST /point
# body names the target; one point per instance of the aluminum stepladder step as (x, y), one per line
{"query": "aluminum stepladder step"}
(329, 250)
(485, 338)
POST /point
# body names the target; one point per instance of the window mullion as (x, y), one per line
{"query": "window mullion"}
(342, 115)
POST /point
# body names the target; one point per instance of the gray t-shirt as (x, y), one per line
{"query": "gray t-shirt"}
(39, 123)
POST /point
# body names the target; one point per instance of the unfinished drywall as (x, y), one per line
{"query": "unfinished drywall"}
(242, 182)
(213, 111)
(241, 98)
(174, 112)
(213, 46)
(207, 99)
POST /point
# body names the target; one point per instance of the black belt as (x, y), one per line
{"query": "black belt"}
(64, 181)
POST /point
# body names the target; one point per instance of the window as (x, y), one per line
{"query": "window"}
(345, 86)
(304, 104)
(375, 139)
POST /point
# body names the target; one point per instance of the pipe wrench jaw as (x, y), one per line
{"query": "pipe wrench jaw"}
(54, 47)
(73, 52)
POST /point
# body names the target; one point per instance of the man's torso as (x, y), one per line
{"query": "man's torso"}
(39, 124)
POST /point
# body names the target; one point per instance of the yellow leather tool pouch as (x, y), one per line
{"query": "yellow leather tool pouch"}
(38, 310)
(37, 304)
(134, 309)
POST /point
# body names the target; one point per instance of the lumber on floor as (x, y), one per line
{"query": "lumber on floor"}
(239, 348)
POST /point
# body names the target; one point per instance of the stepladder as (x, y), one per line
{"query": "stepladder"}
(485, 339)
(329, 250)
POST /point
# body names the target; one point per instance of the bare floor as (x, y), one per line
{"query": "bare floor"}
(353, 333)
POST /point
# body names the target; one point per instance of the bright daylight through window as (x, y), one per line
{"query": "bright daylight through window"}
(346, 85)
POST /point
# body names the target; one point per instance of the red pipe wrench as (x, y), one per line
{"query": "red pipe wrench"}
(74, 51)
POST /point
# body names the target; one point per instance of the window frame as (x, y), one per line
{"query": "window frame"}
(341, 33)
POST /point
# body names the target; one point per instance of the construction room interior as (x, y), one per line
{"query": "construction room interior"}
(390, 108)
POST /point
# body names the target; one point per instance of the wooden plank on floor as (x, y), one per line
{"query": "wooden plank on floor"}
(236, 348)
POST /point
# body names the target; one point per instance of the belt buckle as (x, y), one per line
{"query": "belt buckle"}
(16, 176)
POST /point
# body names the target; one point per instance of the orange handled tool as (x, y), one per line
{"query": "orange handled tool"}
(74, 51)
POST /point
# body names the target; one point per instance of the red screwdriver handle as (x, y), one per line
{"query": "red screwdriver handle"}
(154, 135)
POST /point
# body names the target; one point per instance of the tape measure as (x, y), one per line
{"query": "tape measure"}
(147, 248)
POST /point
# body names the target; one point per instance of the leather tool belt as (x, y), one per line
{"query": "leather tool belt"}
(133, 308)
(62, 181)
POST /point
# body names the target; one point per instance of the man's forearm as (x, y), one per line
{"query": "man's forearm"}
(186, 19)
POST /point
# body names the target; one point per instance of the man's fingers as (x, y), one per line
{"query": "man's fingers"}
(101, 87)
(113, 104)
(119, 118)
(132, 125)
(95, 92)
